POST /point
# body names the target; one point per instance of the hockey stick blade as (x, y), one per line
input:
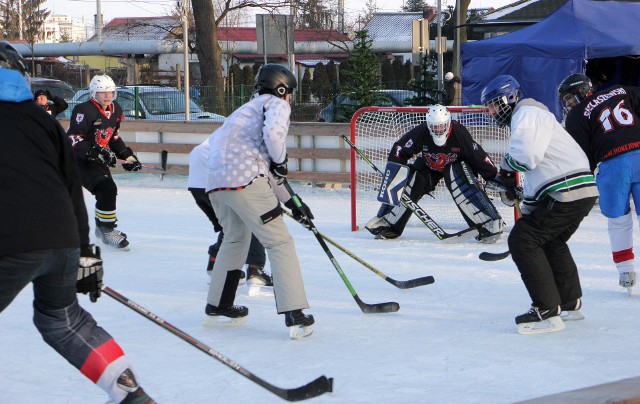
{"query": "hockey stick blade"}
(315, 388)
(412, 283)
(487, 256)
(388, 307)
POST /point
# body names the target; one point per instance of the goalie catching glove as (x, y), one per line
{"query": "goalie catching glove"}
(90, 272)
(131, 161)
(301, 214)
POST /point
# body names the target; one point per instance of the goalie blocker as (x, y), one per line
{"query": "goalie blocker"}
(467, 192)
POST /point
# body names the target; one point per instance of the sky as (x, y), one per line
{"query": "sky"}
(453, 341)
(86, 9)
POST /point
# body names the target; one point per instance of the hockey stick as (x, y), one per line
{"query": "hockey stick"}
(488, 256)
(416, 209)
(411, 283)
(149, 167)
(388, 307)
(315, 388)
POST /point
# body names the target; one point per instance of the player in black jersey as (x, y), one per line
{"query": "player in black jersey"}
(93, 132)
(446, 149)
(606, 125)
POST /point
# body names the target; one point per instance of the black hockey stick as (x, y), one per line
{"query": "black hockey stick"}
(388, 307)
(437, 230)
(315, 388)
(411, 283)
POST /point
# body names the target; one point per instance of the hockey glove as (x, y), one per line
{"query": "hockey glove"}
(132, 163)
(101, 155)
(90, 272)
(505, 185)
(301, 214)
(279, 170)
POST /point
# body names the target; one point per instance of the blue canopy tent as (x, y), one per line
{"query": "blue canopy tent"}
(540, 56)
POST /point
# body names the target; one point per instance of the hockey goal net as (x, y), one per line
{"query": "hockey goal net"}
(375, 129)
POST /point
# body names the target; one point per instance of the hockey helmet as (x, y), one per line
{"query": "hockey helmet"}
(275, 79)
(500, 96)
(11, 59)
(102, 83)
(573, 89)
(439, 123)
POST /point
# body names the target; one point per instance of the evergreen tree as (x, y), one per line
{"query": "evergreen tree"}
(364, 79)
(33, 17)
(424, 84)
(386, 72)
(398, 74)
(236, 76)
(321, 86)
(305, 91)
(331, 72)
(249, 75)
(414, 5)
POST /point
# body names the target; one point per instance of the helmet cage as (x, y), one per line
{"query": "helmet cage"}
(500, 109)
(439, 124)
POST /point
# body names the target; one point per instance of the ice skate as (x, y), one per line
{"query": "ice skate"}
(538, 321)
(380, 228)
(227, 316)
(300, 324)
(259, 282)
(136, 395)
(627, 280)
(112, 237)
(571, 311)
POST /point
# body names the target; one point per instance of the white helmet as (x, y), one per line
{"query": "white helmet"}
(448, 76)
(101, 83)
(439, 123)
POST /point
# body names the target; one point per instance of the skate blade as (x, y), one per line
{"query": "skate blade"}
(552, 324)
(260, 291)
(222, 321)
(298, 331)
(571, 315)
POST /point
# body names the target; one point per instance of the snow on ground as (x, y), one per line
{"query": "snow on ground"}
(454, 341)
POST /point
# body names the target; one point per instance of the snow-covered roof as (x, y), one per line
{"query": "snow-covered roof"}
(524, 10)
(139, 28)
(392, 26)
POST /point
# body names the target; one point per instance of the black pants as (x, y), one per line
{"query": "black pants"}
(538, 245)
(96, 178)
(256, 255)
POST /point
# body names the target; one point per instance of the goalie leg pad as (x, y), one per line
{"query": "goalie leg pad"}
(473, 202)
(391, 220)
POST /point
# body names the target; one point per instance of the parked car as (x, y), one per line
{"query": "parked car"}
(154, 102)
(58, 88)
(336, 109)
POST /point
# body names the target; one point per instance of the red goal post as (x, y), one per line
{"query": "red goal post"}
(375, 129)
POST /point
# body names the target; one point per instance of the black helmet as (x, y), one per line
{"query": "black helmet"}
(11, 59)
(574, 89)
(275, 79)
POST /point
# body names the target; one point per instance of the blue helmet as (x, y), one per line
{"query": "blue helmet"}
(500, 96)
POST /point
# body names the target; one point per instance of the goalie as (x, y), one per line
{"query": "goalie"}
(444, 149)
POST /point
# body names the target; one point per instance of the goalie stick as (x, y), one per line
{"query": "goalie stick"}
(405, 201)
(315, 388)
(388, 307)
(408, 284)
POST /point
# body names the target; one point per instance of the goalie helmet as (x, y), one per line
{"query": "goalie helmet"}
(12, 60)
(102, 83)
(275, 79)
(439, 124)
(500, 96)
(573, 89)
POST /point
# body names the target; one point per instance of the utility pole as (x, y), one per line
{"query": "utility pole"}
(185, 48)
(439, 19)
(98, 21)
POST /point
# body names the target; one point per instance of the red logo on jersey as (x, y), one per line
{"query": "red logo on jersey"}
(103, 136)
(438, 161)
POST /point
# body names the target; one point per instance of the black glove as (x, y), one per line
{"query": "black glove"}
(279, 170)
(101, 155)
(301, 214)
(90, 272)
(132, 163)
